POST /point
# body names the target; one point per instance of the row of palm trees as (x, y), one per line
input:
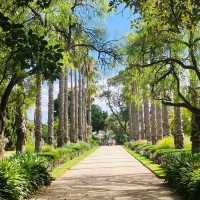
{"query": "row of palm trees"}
(149, 120)
(74, 108)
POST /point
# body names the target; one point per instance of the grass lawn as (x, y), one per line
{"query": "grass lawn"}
(60, 170)
(155, 168)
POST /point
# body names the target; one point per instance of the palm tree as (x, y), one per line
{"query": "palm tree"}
(147, 120)
(178, 129)
(141, 120)
(66, 117)
(50, 114)
(159, 122)
(76, 106)
(130, 121)
(80, 107)
(165, 120)
(38, 115)
(60, 136)
(153, 123)
(84, 105)
(72, 135)
(135, 113)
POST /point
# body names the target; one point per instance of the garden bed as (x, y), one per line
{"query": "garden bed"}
(181, 167)
(23, 174)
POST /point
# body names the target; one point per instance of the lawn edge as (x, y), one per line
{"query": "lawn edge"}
(66, 166)
(147, 165)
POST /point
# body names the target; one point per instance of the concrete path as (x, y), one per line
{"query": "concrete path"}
(108, 174)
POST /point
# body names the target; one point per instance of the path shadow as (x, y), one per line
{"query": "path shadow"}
(117, 187)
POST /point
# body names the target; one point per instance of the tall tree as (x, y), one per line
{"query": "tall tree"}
(50, 114)
(178, 129)
(76, 107)
(80, 106)
(165, 117)
(66, 109)
(153, 123)
(60, 136)
(147, 119)
(141, 120)
(72, 130)
(38, 115)
(159, 122)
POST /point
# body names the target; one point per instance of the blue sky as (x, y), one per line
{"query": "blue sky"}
(117, 26)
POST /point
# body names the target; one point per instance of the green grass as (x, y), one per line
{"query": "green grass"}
(155, 168)
(60, 170)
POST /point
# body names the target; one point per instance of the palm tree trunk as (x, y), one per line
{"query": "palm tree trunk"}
(38, 115)
(178, 130)
(153, 123)
(130, 121)
(159, 122)
(80, 108)
(21, 129)
(135, 114)
(72, 133)
(147, 120)
(141, 119)
(165, 117)
(84, 109)
(50, 114)
(66, 117)
(195, 133)
(60, 137)
(76, 106)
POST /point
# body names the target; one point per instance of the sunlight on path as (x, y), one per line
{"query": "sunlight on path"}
(110, 173)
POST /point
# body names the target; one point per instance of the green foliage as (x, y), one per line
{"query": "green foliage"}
(182, 171)
(182, 168)
(21, 175)
(166, 143)
(98, 118)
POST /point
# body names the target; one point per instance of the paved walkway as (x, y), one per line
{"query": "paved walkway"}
(108, 174)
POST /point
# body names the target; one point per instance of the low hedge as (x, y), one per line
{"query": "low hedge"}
(23, 174)
(181, 166)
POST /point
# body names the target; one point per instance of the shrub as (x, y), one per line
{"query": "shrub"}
(183, 173)
(166, 143)
(23, 174)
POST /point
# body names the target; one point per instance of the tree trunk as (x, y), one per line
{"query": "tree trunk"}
(135, 114)
(153, 123)
(76, 106)
(178, 130)
(50, 114)
(72, 133)
(165, 119)
(135, 119)
(21, 129)
(141, 119)
(66, 107)
(147, 120)
(38, 115)
(159, 130)
(80, 108)
(84, 117)
(130, 122)
(195, 133)
(60, 137)
(3, 105)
